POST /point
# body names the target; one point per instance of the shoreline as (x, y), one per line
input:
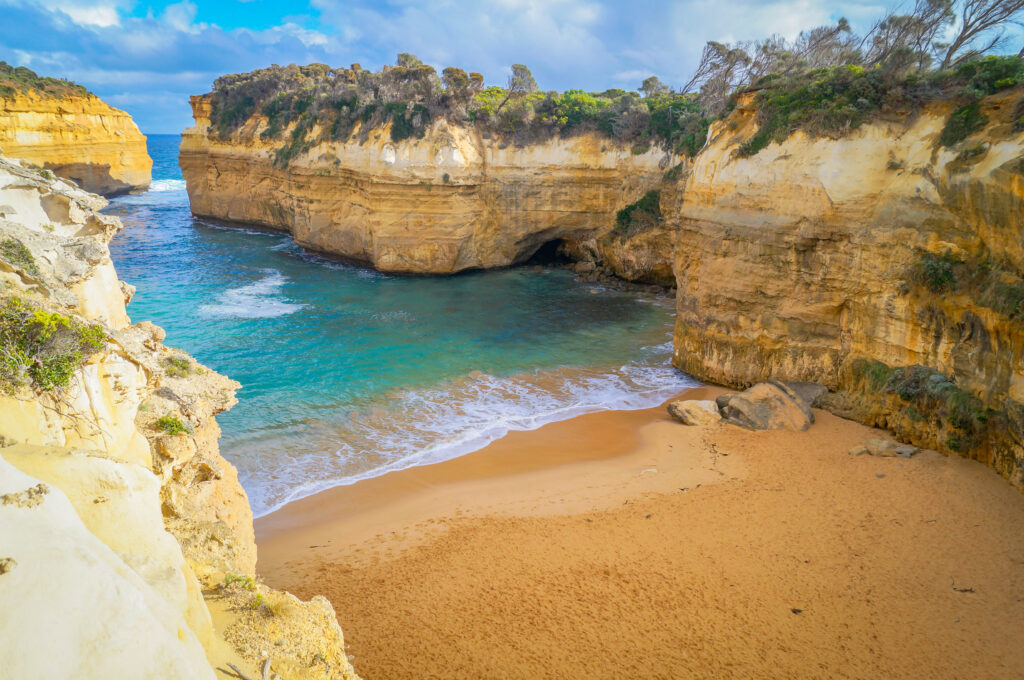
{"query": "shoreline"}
(414, 488)
(624, 544)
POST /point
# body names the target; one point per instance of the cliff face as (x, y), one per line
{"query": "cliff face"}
(879, 264)
(128, 541)
(441, 204)
(80, 138)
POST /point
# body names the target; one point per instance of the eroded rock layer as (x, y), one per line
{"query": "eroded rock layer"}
(441, 204)
(80, 138)
(880, 264)
(122, 526)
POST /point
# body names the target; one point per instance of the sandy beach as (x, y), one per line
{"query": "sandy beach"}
(625, 545)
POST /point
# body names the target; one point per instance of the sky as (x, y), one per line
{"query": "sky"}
(148, 57)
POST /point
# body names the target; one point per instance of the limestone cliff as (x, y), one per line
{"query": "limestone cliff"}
(450, 201)
(78, 137)
(127, 540)
(880, 264)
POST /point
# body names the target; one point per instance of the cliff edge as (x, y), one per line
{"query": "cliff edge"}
(128, 543)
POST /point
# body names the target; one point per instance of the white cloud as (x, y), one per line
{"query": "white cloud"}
(87, 13)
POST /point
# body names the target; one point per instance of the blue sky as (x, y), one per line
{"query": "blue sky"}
(148, 57)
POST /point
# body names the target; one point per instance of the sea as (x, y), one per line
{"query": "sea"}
(348, 373)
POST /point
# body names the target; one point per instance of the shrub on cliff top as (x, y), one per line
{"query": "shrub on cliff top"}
(40, 348)
(319, 103)
(15, 79)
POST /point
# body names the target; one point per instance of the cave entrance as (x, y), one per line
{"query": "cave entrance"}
(549, 253)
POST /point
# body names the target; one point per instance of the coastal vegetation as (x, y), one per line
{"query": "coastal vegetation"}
(988, 282)
(14, 79)
(639, 216)
(827, 81)
(42, 349)
(171, 425)
(925, 394)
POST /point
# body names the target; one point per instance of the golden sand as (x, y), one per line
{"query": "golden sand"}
(624, 545)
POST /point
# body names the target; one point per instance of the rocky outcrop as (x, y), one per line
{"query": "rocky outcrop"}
(78, 137)
(879, 264)
(448, 202)
(121, 521)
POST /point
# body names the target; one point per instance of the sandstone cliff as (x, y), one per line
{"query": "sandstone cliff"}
(879, 264)
(78, 137)
(127, 540)
(450, 201)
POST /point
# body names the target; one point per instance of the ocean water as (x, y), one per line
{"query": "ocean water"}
(347, 373)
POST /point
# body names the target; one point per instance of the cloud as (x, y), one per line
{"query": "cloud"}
(149, 62)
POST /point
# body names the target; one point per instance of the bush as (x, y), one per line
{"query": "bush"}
(639, 216)
(935, 272)
(14, 253)
(408, 97)
(832, 101)
(171, 425)
(177, 367)
(963, 123)
(41, 348)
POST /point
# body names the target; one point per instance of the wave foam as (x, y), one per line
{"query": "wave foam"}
(421, 427)
(159, 185)
(257, 300)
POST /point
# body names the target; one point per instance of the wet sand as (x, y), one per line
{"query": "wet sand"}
(624, 545)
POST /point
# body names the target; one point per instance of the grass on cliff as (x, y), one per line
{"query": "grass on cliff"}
(639, 216)
(988, 282)
(14, 253)
(833, 101)
(42, 349)
(927, 395)
(14, 79)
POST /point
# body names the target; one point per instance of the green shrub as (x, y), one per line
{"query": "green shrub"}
(874, 373)
(638, 216)
(935, 272)
(177, 367)
(14, 253)
(245, 581)
(41, 348)
(963, 123)
(171, 425)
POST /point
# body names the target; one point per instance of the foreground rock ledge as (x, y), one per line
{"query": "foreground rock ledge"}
(127, 539)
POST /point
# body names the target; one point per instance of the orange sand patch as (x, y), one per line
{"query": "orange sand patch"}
(624, 545)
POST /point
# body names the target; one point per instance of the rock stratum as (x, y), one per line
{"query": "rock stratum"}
(447, 202)
(881, 264)
(77, 137)
(127, 543)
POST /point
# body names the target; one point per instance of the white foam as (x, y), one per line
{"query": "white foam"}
(158, 185)
(421, 427)
(257, 300)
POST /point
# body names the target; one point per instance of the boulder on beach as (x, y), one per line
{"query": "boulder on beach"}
(694, 412)
(768, 406)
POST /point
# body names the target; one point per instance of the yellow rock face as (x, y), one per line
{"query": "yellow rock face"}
(78, 138)
(794, 263)
(448, 202)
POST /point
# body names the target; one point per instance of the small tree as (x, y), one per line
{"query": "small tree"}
(520, 84)
(653, 86)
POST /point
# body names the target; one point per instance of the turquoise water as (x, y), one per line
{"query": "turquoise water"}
(347, 373)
